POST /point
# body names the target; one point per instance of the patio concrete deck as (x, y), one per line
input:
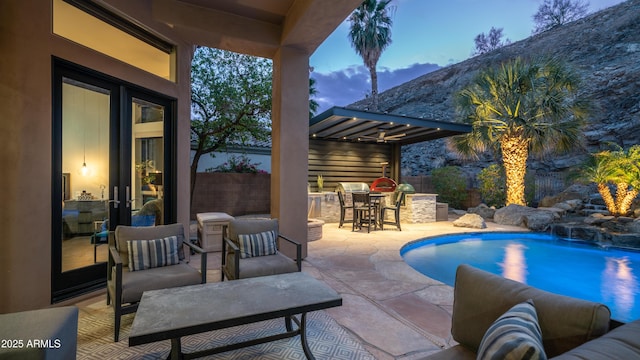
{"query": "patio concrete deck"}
(396, 312)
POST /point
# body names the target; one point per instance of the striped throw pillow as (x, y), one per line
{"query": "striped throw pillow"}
(260, 244)
(515, 335)
(147, 254)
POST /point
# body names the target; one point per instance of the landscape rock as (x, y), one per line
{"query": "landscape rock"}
(597, 219)
(563, 205)
(470, 221)
(483, 210)
(539, 220)
(634, 226)
(518, 215)
(558, 212)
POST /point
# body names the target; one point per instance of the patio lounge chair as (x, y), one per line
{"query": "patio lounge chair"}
(250, 248)
(129, 276)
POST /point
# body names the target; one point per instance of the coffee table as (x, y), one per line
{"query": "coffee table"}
(170, 314)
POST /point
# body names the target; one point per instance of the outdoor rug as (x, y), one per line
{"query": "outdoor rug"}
(326, 338)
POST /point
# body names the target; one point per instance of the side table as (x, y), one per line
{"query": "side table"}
(210, 230)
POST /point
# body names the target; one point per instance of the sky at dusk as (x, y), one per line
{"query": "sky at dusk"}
(426, 35)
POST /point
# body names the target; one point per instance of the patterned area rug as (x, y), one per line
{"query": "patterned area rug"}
(326, 338)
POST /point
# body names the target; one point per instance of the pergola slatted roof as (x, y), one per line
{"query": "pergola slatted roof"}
(343, 124)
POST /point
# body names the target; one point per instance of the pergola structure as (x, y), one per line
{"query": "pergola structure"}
(351, 145)
(344, 124)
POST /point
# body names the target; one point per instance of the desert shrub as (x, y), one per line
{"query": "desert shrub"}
(237, 164)
(450, 184)
(493, 189)
(492, 185)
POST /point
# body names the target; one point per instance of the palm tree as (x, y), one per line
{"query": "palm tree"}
(370, 35)
(313, 104)
(621, 168)
(520, 108)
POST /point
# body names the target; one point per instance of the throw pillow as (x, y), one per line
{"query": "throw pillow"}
(260, 244)
(514, 335)
(146, 254)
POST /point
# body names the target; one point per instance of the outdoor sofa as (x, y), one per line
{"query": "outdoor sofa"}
(571, 329)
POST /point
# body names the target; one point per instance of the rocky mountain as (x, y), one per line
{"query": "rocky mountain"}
(604, 48)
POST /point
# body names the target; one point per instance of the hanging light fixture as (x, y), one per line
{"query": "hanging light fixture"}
(84, 171)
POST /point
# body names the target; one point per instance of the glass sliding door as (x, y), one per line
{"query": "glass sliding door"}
(110, 167)
(147, 176)
(85, 170)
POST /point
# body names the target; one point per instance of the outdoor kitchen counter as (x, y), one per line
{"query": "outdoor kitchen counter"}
(418, 209)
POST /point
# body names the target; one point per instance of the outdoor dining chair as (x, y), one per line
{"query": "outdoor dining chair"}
(396, 212)
(343, 209)
(364, 213)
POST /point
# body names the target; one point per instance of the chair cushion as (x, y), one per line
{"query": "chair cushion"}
(620, 343)
(250, 226)
(262, 265)
(146, 254)
(134, 283)
(259, 244)
(128, 233)
(514, 335)
(481, 297)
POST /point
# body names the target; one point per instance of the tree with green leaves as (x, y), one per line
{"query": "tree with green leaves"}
(490, 42)
(313, 104)
(617, 167)
(230, 101)
(370, 35)
(554, 13)
(517, 109)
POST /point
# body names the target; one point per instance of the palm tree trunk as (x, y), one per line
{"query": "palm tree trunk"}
(604, 191)
(626, 203)
(374, 88)
(621, 194)
(515, 151)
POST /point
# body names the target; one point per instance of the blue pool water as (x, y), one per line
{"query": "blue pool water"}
(572, 268)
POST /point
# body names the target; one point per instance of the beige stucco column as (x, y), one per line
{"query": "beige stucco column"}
(290, 144)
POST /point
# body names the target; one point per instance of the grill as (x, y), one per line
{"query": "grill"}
(349, 187)
(384, 184)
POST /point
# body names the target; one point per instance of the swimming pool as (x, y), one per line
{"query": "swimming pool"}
(572, 268)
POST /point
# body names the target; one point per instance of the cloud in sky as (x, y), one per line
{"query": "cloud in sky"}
(343, 87)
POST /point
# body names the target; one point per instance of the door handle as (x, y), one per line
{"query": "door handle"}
(115, 200)
(127, 192)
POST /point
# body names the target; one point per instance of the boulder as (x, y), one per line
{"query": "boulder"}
(483, 210)
(510, 215)
(597, 218)
(563, 205)
(470, 221)
(518, 215)
(574, 203)
(539, 220)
